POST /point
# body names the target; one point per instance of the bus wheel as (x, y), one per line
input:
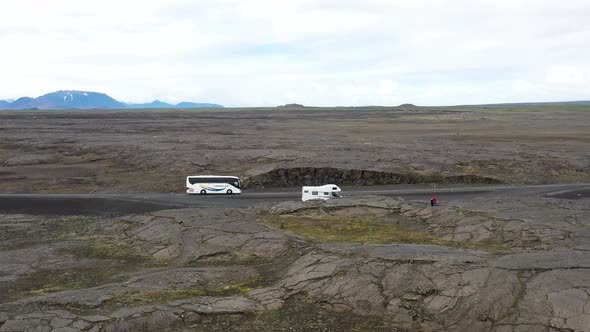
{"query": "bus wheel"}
(229, 192)
(203, 192)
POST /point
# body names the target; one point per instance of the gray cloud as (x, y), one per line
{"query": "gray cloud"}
(315, 52)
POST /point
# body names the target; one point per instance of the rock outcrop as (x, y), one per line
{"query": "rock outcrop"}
(491, 269)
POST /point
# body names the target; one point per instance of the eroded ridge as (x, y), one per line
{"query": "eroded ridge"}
(369, 263)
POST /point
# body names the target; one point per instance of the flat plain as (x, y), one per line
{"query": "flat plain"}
(152, 151)
(481, 262)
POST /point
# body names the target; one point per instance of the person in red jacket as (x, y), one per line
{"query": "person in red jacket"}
(433, 201)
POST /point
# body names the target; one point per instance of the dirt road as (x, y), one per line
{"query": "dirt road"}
(117, 204)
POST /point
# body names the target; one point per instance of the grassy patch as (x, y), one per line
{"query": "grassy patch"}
(364, 230)
(62, 228)
(67, 228)
(111, 247)
(297, 315)
(111, 257)
(133, 299)
(51, 230)
(50, 281)
(269, 270)
(115, 260)
(97, 245)
(341, 229)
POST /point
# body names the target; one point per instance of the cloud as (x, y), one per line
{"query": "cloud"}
(321, 52)
(568, 75)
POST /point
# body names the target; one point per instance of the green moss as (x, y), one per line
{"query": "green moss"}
(298, 314)
(115, 258)
(111, 247)
(493, 247)
(152, 297)
(50, 281)
(270, 270)
(340, 229)
(133, 299)
(237, 289)
(130, 225)
(110, 270)
(364, 230)
(59, 229)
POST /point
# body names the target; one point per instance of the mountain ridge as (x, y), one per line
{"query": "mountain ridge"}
(76, 99)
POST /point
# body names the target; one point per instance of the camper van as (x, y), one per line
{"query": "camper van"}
(320, 192)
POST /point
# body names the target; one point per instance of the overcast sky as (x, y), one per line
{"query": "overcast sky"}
(266, 53)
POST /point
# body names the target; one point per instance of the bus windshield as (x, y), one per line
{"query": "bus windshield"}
(236, 183)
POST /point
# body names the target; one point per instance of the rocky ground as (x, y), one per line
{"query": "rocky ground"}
(363, 264)
(360, 264)
(153, 151)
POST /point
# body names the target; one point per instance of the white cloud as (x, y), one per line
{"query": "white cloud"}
(320, 52)
(568, 75)
(524, 87)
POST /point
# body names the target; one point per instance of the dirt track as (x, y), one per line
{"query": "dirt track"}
(118, 151)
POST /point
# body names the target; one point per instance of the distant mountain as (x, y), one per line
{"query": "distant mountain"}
(184, 104)
(579, 102)
(22, 103)
(543, 103)
(188, 104)
(65, 99)
(71, 99)
(291, 106)
(153, 104)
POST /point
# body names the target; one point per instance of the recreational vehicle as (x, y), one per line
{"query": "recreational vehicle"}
(320, 192)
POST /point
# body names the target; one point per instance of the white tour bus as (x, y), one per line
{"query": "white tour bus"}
(324, 192)
(213, 184)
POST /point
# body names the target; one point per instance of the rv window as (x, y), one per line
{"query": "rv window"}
(334, 188)
(306, 191)
(314, 192)
(326, 194)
